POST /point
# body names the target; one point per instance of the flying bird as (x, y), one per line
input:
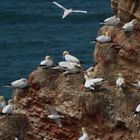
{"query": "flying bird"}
(128, 27)
(8, 108)
(54, 115)
(85, 134)
(21, 83)
(112, 21)
(102, 38)
(48, 62)
(68, 11)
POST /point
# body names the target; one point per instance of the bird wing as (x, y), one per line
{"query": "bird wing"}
(96, 80)
(138, 108)
(58, 122)
(60, 6)
(70, 58)
(51, 110)
(79, 11)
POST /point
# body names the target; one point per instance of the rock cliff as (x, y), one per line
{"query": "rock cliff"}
(106, 113)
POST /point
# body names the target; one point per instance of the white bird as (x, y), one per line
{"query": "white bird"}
(8, 108)
(85, 134)
(128, 27)
(120, 82)
(137, 84)
(92, 83)
(70, 58)
(70, 67)
(21, 83)
(68, 11)
(2, 102)
(112, 21)
(137, 111)
(53, 115)
(48, 62)
(103, 38)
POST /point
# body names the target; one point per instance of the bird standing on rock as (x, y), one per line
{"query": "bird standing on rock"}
(120, 82)
(70, 58)
(128, 27)
(112, 21)
(8, 109)
(70, 67)
(68, 11)
(103, 38)
(21, 83)
(48, 62)
(92, 83)
(53, 115)
(85, 134)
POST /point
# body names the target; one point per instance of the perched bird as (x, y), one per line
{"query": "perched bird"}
(8, 108)
(70, 67)
(21, 83)
(137, 84)
(48, 62)
(137, 111)
(103, 38)
(2, 102)
(112, 21)
(53, 115)
(92, 83)
(68, 11)
(70, 58)
(120, 82)
(128, 27)
(85, 134)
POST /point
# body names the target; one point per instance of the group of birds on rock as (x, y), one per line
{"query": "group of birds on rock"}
(73, 65)
(8, 109)
(114, 21)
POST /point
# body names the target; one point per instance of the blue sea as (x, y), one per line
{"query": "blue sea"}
(32, 29)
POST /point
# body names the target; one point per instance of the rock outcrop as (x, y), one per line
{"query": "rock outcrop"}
(106, 113)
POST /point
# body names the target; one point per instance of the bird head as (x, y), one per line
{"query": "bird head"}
(48, 57)
(107, 33)
(84, 130)
(65, 53)
(1, 98)
(10, 102)
(119, 74)
(24, 80)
